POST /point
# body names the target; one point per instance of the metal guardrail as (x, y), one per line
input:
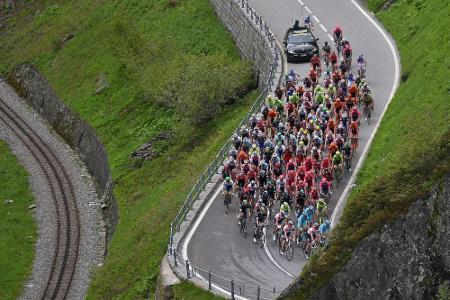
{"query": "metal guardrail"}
(233, 287)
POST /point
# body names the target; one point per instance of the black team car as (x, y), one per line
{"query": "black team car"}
(300, 45)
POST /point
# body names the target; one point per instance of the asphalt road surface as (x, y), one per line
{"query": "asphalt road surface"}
(216, 244)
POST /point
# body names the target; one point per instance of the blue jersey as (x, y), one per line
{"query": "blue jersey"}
(228, 186)
(309, 212)
(324, 228)
(302, 221)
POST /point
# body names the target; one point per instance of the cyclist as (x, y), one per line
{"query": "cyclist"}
(326, 48)
(302, 222)
(228, 186)
(285, 208)
(313, 236)
(281, 184)
(315, 62)
(325, 228)
(348, 53)
(243, 211)
(261, 216)
(308, 23)
(337, 161)
(279, 220)
(361, 65)
(322, 209)
(337, 35)
(333, 58)
(288, 229)
(347, 153)
(324, 188)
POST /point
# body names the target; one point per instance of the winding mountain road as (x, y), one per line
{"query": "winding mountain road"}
(214, 243)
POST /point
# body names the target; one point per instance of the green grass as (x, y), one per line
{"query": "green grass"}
(168, 68)
(18, 231)
(187, 291)
(411, 149)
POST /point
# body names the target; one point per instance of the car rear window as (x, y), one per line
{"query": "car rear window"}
(300, 38)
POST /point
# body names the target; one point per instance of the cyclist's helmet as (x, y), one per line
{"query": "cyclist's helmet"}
(244, 201)
(254, 146)
(228, 178)
(281, 177)
(338, 153)
(316, 224)
(307, 19)
(326, 43)
(291, 223)
(291, 172)
(285, 204)
(324, 179)
(263, 205)
(337, 29)
(260, 200)
(252, 182)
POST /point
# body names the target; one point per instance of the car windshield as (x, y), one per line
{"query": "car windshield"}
(300, 39)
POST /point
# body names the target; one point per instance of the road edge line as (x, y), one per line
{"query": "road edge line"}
(269, 254)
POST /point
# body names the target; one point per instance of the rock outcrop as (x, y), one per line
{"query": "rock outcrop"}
(409, 259)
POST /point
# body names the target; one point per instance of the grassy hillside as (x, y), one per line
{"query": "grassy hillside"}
(412, 147)
(136, 69)
(18, 231)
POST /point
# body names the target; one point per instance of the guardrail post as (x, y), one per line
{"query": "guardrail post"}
(232, 289)
(258, 292)
(209, 280)
(188, 272)
(274, 290)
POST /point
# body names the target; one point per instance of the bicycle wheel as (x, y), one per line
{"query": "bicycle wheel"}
(261, 239)
(289, 252)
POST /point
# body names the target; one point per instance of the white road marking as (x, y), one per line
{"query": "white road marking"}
(323, 27)
(198, 221)
(308, 10)
(194, 228)
(345, 193)
(315, 18)
(191, 233)
(301, 2)
(273, 259)
(330, 37)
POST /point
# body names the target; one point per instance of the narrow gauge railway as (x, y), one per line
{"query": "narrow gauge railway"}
(66, 213)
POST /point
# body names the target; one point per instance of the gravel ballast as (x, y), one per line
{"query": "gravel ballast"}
(92, 231)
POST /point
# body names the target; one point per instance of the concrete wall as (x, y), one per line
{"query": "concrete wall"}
(32, 86)
(249, 33)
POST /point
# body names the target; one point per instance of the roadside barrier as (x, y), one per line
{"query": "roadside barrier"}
(188, 212)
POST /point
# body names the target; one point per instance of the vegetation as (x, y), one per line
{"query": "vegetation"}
(187, 291)
(135, 69)
(413, 141)
(18, 231)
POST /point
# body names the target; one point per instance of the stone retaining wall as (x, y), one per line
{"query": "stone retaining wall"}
(36, 91)
(250, 34)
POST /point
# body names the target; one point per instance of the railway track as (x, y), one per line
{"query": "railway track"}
(65, 254)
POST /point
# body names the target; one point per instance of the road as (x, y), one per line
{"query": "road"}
(216, 244)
